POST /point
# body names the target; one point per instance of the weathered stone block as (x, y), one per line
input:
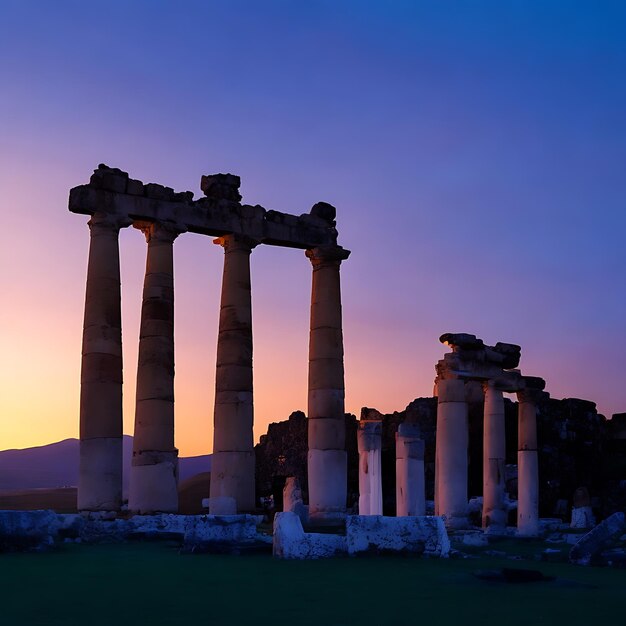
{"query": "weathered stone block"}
(595, 540)
(421, 535)
(291, 542)
(134, 187)
(27, 530)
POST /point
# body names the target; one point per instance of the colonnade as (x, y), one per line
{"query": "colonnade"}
(154, 471)
(451, 477)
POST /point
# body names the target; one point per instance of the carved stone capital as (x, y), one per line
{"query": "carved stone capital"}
(233, 242)
(532, 395)
(159, 232)
(107, 223)
(327, 255)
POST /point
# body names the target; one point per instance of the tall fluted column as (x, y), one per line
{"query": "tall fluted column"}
(451, 453)
(527, 465)
(327, 458)
(494, 451)
(232, 464)
(410, 482)
(100, 465)
(154, 469)
(369, 441)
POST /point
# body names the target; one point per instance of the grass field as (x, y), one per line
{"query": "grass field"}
(152, 584)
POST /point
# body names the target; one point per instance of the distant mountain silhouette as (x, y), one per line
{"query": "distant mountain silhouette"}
(56, 465)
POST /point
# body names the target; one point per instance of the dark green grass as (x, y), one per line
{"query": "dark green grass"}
(152, 584)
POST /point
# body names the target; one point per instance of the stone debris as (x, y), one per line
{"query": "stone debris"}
(22, 530)
(377, 533)
(583, 517)
(292, 499)
(291, 542)
(592, 543)
(221, 187)
(28, 530)
(363, 533)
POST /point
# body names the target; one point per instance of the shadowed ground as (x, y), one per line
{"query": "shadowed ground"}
(63, 500)
(153, 584)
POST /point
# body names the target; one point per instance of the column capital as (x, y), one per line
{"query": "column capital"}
(233, 242)
(107, 222)
(531, 395)
(488, 384)
(327, 255)
(159, 232)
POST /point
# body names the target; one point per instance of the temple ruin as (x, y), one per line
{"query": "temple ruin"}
(113, 201)
(472, 373)
(473, 367)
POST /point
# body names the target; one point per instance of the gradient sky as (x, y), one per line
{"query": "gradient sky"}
(475, 151)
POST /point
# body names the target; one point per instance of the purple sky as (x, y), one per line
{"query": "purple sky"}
(475, 152)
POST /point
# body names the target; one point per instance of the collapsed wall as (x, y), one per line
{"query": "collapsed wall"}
(578, 447)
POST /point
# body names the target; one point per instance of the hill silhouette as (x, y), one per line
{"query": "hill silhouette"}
(56, 466)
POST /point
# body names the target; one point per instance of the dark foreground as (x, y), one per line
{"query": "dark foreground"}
(152, 584)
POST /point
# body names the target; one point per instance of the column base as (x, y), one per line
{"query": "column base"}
(153, 488)
(232, 476)
(494, 520)
(328, 488)
(100, 474)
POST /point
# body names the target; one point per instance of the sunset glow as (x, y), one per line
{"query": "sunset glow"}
(475, 159)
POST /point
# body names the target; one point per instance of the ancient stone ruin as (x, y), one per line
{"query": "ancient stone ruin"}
(369, 481)
(473, 367)
(113, 201)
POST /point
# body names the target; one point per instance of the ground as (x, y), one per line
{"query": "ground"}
(150, 583)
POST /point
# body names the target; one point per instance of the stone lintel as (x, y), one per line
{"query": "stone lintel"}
(112, 192)
(471, 348)
(532, 395)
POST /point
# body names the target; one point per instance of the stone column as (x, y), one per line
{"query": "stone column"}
(527, 465)
(410, 481)
(100, 464)
(327, 458)
(369, 441)
(494, 452)
(232, 464)
(154, 469)
(451, 453)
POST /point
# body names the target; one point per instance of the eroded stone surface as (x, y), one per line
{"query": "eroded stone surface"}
(377, 533)
(596, 539)
(112, 192)
(291, 542)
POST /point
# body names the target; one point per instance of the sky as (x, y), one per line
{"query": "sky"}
(475, 152)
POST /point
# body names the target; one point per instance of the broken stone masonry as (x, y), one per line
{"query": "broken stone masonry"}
(379, 464)
(113, 201)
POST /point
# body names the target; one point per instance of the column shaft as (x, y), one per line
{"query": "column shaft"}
(410, 482)
(100, 465)
(527, 467)
(494, 515)
(154, 469)
(327, 458)
(369, 440)
(232, 472)
(451, 453)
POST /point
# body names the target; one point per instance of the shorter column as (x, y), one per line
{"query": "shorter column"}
(369, 440)
(527, 465)
(154, 468)
(494, 516)
(232, 464)
(451, 453)
(410, 482)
